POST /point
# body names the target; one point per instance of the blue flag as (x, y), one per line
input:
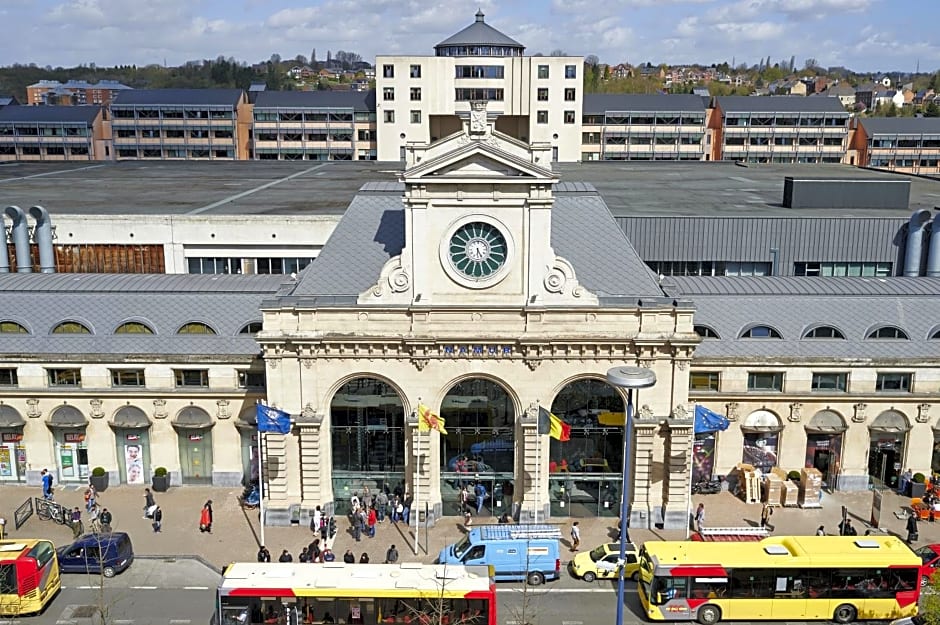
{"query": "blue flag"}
(709, 421)
(272, 420)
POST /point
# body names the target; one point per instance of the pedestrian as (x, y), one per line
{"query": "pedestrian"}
(912, 534)
(480, 492)
(286, 557)
(75, 519)
(364, 558)
(348, 557)
(263, 554)
(90, 496)
(314, 550)
(46, 484)
(315, 520)
(391, 556)
(381, 503)
(372, 519)
(304, 555)
(700, 518)
(357, 525)
(105, 519)
(821, 530)
(3, 527)
(765, 514)
(324, 527)
(157, 519)
(406, 504)
(94, 516)
(397, 509)
(328, 555)
(467, 518)
(846, 528)
(366, 498)
(575, 536)
(149, 504)
(354, 502)
(205, 518)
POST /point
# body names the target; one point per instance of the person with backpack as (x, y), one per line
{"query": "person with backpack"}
(46, 485)
(157, 519)
(391, 556)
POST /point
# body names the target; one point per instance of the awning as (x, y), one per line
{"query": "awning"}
(130, 417)
(248, 419)
(826, 422)
(890, 421)
(193, 418)
(761, 421)
(67, 417)
(10, 418)
(709, 421)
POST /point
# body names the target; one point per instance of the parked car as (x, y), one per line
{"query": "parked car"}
(513, 552)
(105, 554)
(601, 562)
(910, 620)
(930, 562)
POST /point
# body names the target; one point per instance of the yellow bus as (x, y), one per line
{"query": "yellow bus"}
(357, 594)
(29, 576)
(793, 578)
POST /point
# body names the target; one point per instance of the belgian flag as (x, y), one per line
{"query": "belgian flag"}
(553, 426)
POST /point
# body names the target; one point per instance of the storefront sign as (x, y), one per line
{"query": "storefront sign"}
(74, 437)
(132, 437)
(195, 437)
(12, 437)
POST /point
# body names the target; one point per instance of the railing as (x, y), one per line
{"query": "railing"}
(47, 509)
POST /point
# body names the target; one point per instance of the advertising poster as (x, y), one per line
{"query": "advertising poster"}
(703, 456)
(133, 464)
(6, 464)
(760, 450)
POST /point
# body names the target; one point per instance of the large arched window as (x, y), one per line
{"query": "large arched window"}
(12, 327)
(71, 327)
(824, 332)
(133, 327)
(195, 327)
(706, 332)
(760, 332)
(252, 327)
(887, 332)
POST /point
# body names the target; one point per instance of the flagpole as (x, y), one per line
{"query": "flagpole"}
(261, 485)
(538, 470)
(418, 480)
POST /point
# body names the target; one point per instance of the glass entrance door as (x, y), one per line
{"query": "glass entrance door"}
(12, 462)
(884, 460)
(581, 495)
(195, 456)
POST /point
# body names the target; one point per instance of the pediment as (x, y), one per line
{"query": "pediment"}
(480, 165)
(477, 160)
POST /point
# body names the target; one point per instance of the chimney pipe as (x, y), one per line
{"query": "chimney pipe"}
(933, 252)
(914, 250)
(4, 253)
(24, 264)
(43, 238)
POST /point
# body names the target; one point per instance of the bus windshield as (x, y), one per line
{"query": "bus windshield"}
(29, 576)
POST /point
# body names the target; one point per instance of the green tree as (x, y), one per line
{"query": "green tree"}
(930, 601)
(932, 110)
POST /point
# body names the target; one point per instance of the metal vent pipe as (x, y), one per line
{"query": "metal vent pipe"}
(43, 238)
(24, 264)
(4, 254)
(933, 252)
(914, 250)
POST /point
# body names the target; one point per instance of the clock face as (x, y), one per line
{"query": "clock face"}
(477, 250)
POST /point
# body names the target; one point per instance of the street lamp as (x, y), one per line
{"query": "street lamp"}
(628, 378)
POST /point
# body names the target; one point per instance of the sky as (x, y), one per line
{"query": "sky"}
(863, 35)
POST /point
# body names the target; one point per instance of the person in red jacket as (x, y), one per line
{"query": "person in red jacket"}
(372, 520)
(205, 518)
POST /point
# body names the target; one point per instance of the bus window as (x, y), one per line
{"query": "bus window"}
(708, 587)
(847, 583)
(753, 583)
(43, 552)
(668, 588)
(8, 579)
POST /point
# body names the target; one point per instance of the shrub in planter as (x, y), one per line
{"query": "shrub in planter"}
(160, 480)
(99, 479)
(919, 478)
(794, 475)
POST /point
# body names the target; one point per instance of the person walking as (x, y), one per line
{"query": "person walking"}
(285, 556)
(90, 496)
(381, 503)
(75, 519)
(263, 554)
(149, 504)
(94, 519)
(391, 556)
(765, 514)
(105, 519)
(46, 484)
(349, 557)
(912, 534)
(357, 525)
(575, 536)
(372, 519)
(700, 518)
(157, 519)
(315, 520)
(205, 518)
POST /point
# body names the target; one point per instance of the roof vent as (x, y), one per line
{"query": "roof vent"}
(867, 544)
(777, 550)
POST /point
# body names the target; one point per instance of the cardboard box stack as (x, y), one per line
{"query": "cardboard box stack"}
(773, 488)
(810, 488)
(749, 483)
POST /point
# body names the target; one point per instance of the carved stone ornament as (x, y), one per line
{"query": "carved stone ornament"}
(307, 362)
(308, 413)
(562, 280)
(682, 365)
(796, 412)
(394, 278)
(272, 362)
(923, 413)
(532, 412)
(32, 409)
(222, 409)
(859, 416)
(159, 409)
(478, 124)
(732, 411)
(646, 412)
(646, 363)
(680, 412)
(96, 411)
(419, 363)
(532, 363)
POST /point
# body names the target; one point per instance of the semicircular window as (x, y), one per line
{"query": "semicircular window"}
(887, 332)
(71, 327)
(251, 328)
(12, 327)
(706, 333)
(935, 335)
(195, 327)
(760, 332)
(824, 332)
(133, 327)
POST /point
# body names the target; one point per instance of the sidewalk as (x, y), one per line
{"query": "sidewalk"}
(236, 535)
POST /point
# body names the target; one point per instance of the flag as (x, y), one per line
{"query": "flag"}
(553, 426)
(428, 421)
(272, 420)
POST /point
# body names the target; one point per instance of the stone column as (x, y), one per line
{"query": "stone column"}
(529, 474)
(274, 475)
(679, 433)
(419, 459)
(644, 440)
(309, 426)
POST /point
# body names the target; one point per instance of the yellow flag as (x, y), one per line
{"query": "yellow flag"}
(428, 421)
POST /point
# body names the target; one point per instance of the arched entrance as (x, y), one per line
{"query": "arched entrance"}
(131, 427)
(886, 450)
(824, 445)
(194, 434)
(478, 453)
(761, 431)
(585, 472)
(68, 428)
(367, 433)
(12, 450)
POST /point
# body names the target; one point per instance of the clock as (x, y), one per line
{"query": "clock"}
(477, 250)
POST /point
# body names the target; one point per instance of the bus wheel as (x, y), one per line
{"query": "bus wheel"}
(845, 613)
(709, 615)
(535, 579)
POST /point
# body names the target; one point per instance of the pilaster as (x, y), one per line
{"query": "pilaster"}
(532, 490)
(679, 433)
(311, 487)
(274, 477)
(639, 504)
(420, 481)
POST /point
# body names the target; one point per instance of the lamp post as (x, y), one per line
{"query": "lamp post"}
(628, 378)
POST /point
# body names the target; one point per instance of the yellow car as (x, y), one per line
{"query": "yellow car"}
(601, 562)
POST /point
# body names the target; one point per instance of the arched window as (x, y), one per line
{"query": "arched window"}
(935, 335)
(824, 332)
(12, 327)
(71, 327)
(887, 332)
(252, 327)
(133, 327)
(195, 327)
(706, 333)
(760, 332)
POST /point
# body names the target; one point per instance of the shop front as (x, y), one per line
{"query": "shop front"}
(824, 435)
(71, 452)
(888, 439)
(761, 431)
(193, 427)
(131, 427)
(12, 450)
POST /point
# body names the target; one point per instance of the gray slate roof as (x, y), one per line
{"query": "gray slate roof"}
(102, 302)
(792, 306)
(778, 104)
(901, 125)
(360, 101)
(599, 103)
(178, 97)
(372, 231)
(479, 33)
(49, 114)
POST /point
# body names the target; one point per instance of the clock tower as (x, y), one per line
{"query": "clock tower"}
(477, 219)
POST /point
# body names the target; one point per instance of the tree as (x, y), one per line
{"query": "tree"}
(810, 63)
(558, 52)
(301, 59)
(592, 60)
(930, 602)
(891, 111)
(313, 56)
(932, 110)
(275, 59)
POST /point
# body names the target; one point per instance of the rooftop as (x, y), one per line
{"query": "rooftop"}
(178, 97)
(47, 114)
(599, 103)
(360, 101)
(479, 33)
(901, 125)
(778, 104)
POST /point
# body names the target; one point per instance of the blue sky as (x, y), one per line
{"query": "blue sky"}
(865, 35)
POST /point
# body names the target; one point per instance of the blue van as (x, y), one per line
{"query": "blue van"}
(107, 554)
(515, 552)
